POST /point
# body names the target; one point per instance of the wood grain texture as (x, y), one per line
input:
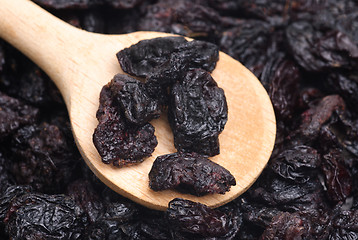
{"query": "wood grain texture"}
(80, 63)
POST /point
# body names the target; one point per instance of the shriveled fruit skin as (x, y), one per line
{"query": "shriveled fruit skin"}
(197, 113)
(142, 58)
(133, 99)
(191, 173)
(193, 220)
(14, 114)
(117, 141)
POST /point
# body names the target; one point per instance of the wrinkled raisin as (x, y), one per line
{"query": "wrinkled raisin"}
(117, 141)
(197, 113)
(189, 172)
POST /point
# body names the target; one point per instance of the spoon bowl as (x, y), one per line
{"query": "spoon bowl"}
(81, 63)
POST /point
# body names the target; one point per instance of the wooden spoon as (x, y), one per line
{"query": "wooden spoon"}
(80, 63)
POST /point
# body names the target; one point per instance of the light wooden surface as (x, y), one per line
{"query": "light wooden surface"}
(80, 63)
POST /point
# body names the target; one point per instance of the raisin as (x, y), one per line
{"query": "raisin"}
(341, 234)
(258, 214)
(195, 220)
(8, 195)
(44, 157)
(14, 114)
(248, 42)
(36, 88)
(299, 163)
(197, 113)
(142, 58)
(288, 195)
(151, 225)
(317, 50)
(346, 219)
(44, 216)
(131, 145)
(285, 226)
(281, 78)
(189, 172)
(338, 179)
(133, 99)
(314, 118)
(181, 17)
(346, 85)
(87, 199)
(198, 54)
(117, 141)
(191, 55)
(113, 222)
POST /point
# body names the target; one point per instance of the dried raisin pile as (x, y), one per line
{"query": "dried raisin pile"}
(172, 67)
(303, 51)
(177, 75)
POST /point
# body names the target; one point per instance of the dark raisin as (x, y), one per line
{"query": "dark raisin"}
(281, 78)
(314, 118)
(133, 99)
(181, 17)
(189, 172)
(258, 214)
(41, 216)
(196, 221)
(346, 85)
(14, 114)
(299, 163)
(197, 113)
(198, 54)
(337, 176)
(43, 157)
(317, 50)
(286, 226)
(248, 42)
(191, 55)
(8, 195)
(288, 195)
(142, 58)
(116, 141)
(87, 199)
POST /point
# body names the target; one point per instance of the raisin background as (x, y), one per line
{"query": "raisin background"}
(305, 54)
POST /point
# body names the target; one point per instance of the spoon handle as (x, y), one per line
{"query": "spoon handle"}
(40, 36)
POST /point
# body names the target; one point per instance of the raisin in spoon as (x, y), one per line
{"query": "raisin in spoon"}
(80, 63)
